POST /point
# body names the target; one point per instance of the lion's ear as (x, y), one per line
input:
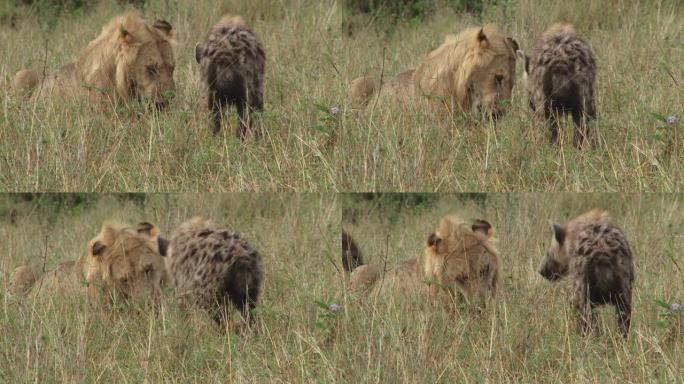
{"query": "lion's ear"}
(433, 240)
(482, 39)
(126, 36)
(199, 51)
(148, 229)
(483, 227)
(98, 249)
(163, 26)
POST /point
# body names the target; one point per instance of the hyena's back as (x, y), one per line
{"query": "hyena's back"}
(603, 256)
(214, 264)
(563, 71)
(601, 269)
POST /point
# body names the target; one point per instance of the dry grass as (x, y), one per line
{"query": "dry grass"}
(64, 340)
(69, 145)
(529, 334)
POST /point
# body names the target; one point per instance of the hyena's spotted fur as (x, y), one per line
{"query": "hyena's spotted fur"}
(595, 254)
(212, 266)
(232, 63)
(559, 77)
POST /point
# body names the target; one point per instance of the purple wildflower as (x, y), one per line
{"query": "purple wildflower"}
(334, 110)
(334, 307)
(671, 120)
(675, 307)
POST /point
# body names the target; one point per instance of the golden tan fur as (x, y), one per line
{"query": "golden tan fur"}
(120, 262)
(457, 259)
(462, 258)
(475, 68)
(130, 59)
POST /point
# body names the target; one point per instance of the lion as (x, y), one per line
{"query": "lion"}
(461, 258)
(472, 70)
(131, 59)
(457, 260)
(118, 264)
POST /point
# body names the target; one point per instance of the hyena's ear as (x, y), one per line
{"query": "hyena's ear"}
(199, 52)
(558, 233)
(97, 249)
(483, 227)
(433, 240)
(163, 245)
(524, 59)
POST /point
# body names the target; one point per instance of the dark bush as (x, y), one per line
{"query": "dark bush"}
(411, 9)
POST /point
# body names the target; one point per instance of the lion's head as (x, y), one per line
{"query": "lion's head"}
(474, 69)
(460, 243)
(123, 262)
(133, 55)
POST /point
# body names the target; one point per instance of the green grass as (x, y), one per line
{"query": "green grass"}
(67, 145)
(529, 334)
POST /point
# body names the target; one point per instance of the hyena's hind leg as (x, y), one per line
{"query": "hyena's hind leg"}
(217, 105)
(243, 290)
(256, 106)
(581, 117)
(623, 309)
(582, 304)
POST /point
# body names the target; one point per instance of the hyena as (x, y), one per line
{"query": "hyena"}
(594, 252)
(212, 266)
(351, 255)
(559, 77)
(232, 63)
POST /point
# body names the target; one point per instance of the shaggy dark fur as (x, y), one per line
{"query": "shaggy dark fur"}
(213, 266)
(560, 76)
(232, 63)
(594, 252)
(351, 255)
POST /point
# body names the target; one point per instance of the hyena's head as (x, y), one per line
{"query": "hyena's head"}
(555, 265)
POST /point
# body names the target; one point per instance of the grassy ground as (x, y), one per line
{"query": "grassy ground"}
(65, 341)
(67, 145)
(529, 334)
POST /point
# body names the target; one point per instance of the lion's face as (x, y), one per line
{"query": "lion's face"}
(491, 83)
(555, 264)
(125, 263)
(146, 64)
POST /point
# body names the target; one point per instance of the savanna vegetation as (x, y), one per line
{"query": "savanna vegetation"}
(314, 140)
(529, 332)
(66, 339)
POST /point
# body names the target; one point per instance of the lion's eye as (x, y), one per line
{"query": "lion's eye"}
(499, 80)
(148, 271)
(152, 70)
